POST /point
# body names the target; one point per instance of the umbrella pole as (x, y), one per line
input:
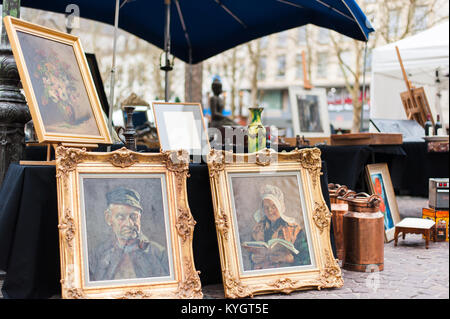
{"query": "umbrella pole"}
(363, 90)
(167, 48)
(113, 70)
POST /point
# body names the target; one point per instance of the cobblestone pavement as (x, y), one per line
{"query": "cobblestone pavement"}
(410, 270)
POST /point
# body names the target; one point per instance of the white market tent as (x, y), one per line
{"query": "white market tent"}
(422, 55)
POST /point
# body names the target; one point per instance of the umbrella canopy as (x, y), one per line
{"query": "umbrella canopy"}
(200, 29)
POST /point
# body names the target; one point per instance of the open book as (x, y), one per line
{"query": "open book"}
(272, 244)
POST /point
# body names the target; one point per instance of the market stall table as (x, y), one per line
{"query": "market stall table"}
(29, 249)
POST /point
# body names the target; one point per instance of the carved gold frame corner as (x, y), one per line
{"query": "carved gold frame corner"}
(70, 162)
(326, 274)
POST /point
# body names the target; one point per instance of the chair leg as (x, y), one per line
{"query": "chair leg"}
(396, 237)
(403, 236)
(427, 238)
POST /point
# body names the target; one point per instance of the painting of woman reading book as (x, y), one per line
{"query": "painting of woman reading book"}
(272, 234)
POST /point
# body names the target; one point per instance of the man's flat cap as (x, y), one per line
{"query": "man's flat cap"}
(124, 196)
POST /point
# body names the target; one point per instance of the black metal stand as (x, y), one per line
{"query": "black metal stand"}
(14, 112)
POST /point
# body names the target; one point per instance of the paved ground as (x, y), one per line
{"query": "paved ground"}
(410, 270)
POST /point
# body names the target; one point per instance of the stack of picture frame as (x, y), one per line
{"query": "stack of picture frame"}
(125, 226)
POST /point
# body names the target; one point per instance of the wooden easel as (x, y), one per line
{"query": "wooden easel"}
(414, 100)
(48, 161)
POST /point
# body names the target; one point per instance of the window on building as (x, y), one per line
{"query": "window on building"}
(323, 36)
(302, 35)
(272, 100)
(282, 39)
(394, 20)
(299, 66)
(262, 68)
(420, 18)
(281, 69)
(322, 61)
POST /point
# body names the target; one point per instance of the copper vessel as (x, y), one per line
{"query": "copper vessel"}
(338, 210)
(332, 188)
(363, 233)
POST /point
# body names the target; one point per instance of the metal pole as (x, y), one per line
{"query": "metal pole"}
(167, 48)
(364, 89)
(190, 75)
(113, 70)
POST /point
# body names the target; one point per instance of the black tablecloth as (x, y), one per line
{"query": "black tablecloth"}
(346, 164)
(410, 165)
(29, 249)
(410, 175)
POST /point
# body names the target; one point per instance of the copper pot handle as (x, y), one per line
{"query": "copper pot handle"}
(342, 190)
(374, 201)
(350, 193)
(333, 186)
(362, 194)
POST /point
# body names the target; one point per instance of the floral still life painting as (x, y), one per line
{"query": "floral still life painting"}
(58, 86)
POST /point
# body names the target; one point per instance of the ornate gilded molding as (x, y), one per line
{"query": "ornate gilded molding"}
(135, 294)
(285, 285)
(223, 223)
(321, 216)
(191, 286)
(75, 293)
(67, 227)
(177, 161)
(330, 275)
(67, 159)
(310, 160)
(185, 224)
(216, 162)
(234, 287)
(123, 158)
(264, 157)
(175, 165)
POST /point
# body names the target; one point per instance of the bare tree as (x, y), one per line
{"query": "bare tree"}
(254, 51)
(389, 30)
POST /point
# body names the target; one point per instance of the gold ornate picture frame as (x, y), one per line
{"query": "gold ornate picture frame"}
(297, 255)
(58, 85)
(125, 227)
(380, 183)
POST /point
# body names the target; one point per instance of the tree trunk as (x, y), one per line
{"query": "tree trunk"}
(357, 107)
(193, 83)
(254, 59)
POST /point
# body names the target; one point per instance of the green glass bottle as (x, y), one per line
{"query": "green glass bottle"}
(256, 131)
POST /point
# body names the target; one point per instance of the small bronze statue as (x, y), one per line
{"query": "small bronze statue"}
(216, 105)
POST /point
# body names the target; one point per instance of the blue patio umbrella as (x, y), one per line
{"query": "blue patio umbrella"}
(195, 30)
(200, 29)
